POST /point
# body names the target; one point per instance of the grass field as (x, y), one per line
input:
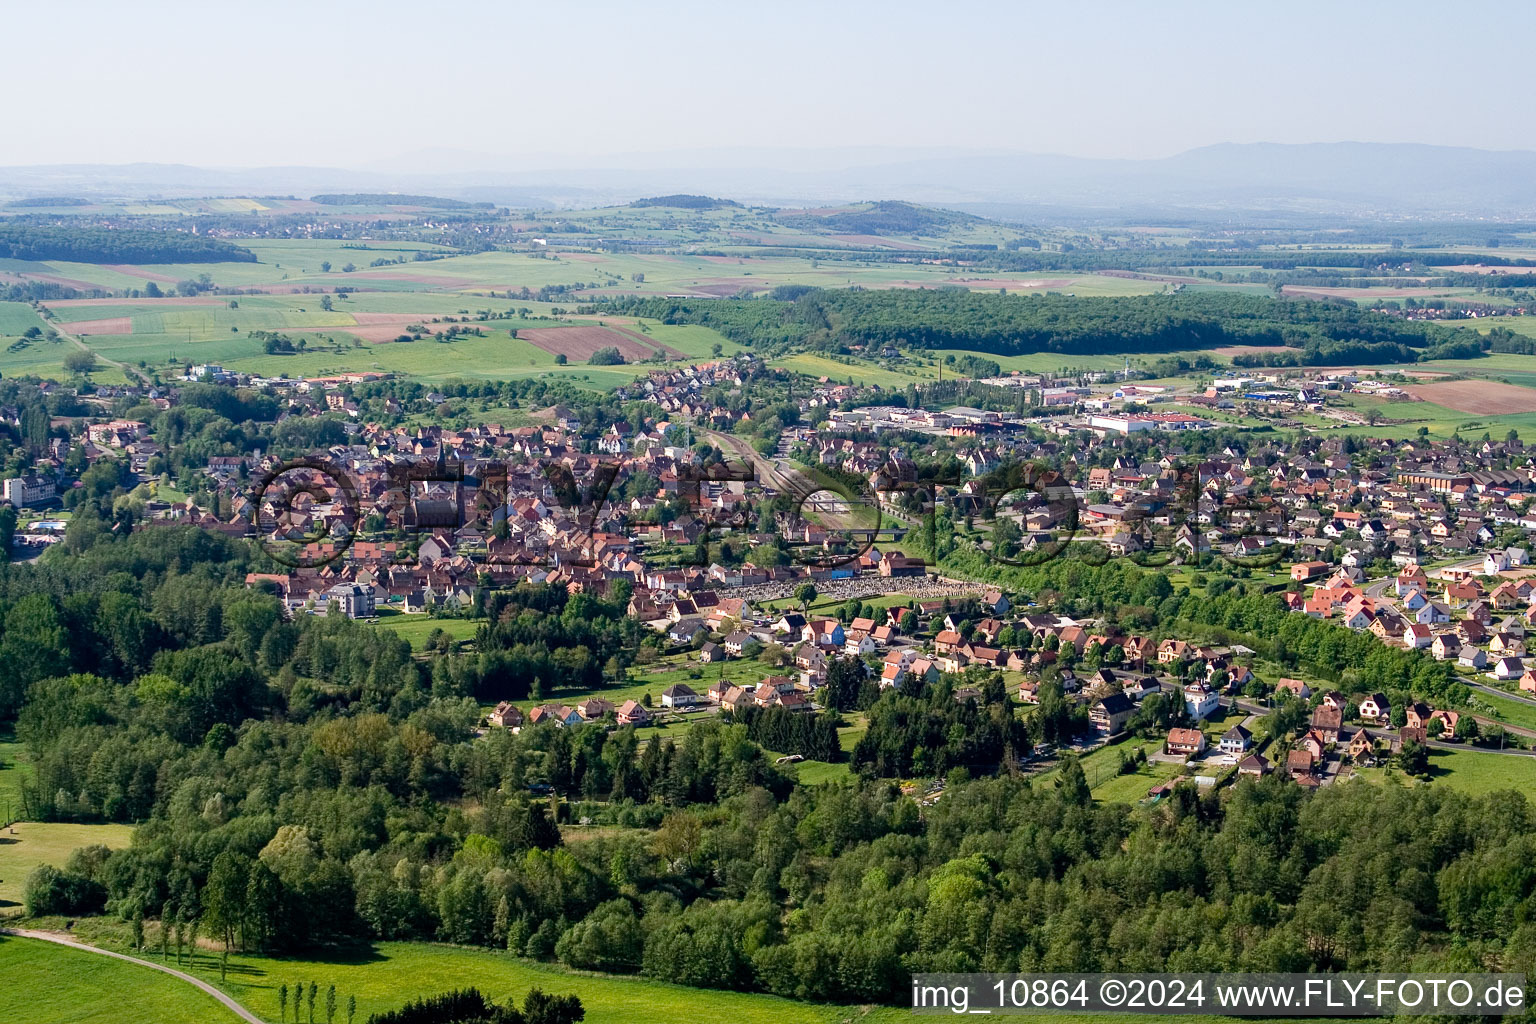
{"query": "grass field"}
(1509, 711)
(100, 990)
(392, 973)
(1108, 787)
(1477, 772)
(27, 844)
(12, 771)
(416, 628)
(385, 975)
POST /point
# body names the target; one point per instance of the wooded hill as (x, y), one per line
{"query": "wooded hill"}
(887, 217)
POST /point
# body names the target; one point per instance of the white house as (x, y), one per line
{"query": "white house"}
(1236, 740)
(1508, 668)
(1200, 700)
(679, 695)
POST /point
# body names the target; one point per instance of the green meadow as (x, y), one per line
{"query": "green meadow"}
(27, 844)
(1478, 772)
(100, 990)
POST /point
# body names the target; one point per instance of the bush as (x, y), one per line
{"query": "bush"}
(606, 357)
(608, 939)
(51, 891)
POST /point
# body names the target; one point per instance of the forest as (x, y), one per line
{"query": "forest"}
(38, 242)
(1301, 331)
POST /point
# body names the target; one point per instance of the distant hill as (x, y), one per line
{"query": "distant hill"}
(1308, 183)
(395, 199)
(887, 217)
(687, 202)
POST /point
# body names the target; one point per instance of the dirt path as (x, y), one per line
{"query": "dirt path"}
(128, 371)
(63, 940)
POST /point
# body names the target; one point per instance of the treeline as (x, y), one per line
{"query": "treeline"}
(36, 202)
(793, 732)
(541, 639)
(1320, 333)
(469, 1006)
(930, 731)
(39, 242)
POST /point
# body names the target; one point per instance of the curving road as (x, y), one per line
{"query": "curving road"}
(64, 940)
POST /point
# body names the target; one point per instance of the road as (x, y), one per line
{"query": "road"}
(64, 940)
(128, 371)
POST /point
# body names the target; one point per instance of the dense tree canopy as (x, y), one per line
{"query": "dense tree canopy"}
(118, 245)
(1319, 332)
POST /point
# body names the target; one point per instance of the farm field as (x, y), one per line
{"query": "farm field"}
(101, 990)
(37, 842)
(358, 334)
(1484, 397)
(294, 265)
(579, 344)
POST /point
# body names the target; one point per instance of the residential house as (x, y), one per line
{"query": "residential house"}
(1362, 748)
(1200, 701)
(1446, 647)
(1300, 764)
(593, 709)
(505, 716)
(1236, 740)
(1253, 766)
(679, 695)
(1187, 742)
(1326, 722)
(1110, 713)
(1376, 708)
(1295, 687)
(633, 713)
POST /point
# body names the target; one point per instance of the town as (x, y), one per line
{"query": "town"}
(719, 548)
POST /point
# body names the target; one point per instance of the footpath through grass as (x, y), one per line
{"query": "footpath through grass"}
(382, 976)
(48, 984)
(388, 974)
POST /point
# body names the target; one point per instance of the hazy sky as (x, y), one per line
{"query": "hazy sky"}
(357, 84)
